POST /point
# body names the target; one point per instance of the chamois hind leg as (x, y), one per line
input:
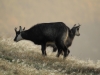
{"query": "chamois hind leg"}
(66, 52)
(60, 46)
(43, 49)
(59, 52)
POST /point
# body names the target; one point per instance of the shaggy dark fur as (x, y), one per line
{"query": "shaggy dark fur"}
(42, 33)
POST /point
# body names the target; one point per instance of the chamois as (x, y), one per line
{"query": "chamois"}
(72, 32)
(43, 33)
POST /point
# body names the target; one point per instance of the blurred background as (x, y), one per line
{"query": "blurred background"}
(27, 13)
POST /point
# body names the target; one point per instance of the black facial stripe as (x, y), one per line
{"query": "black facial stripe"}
(77, 28)
(17, 33)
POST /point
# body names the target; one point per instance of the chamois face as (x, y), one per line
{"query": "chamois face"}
(75, 29)
(18, 36)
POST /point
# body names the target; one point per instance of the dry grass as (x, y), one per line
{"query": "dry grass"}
(24, 58)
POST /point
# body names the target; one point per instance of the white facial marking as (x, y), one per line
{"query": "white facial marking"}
(77, 32)
(19, 37)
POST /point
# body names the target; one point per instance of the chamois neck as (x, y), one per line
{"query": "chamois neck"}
(72, 34)
(24, 35)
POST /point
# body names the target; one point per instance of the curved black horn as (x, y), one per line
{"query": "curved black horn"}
(20, 28)
(24, 28)
(15, 29)
(74, 25)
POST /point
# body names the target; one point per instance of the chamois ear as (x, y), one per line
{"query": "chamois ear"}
(79, 25)
(20, 28)
(15, 29)
(23, 28)
(74, 25)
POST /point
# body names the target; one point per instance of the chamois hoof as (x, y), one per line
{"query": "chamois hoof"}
(64, 58)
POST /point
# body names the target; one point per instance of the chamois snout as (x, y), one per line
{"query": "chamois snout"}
(78, 34)
(15, 40)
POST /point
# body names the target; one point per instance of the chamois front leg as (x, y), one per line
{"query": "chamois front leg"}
(43, 49)
(59, 52)
(66, 53)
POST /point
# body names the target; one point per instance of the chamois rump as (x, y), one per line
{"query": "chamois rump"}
(43, 33)
(71, 34)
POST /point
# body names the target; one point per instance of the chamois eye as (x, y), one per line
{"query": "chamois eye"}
(77, 28)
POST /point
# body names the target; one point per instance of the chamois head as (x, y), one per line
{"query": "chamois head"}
(75, 30)
(18, 36)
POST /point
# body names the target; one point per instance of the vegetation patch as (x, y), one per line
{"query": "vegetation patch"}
(24, 58)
